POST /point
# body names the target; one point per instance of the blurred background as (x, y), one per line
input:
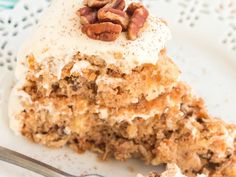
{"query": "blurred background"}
(7, 4)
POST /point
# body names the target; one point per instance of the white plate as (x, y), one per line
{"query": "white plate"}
(203, 45)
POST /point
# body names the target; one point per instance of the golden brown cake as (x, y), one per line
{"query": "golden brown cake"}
(119, 97)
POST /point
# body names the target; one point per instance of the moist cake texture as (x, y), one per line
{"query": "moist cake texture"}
(120, 99)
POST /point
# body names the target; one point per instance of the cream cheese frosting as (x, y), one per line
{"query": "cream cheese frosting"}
(59, 36)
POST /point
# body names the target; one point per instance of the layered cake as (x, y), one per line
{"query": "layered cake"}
(95, 76)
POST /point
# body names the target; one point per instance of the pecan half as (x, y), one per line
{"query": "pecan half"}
(137, 22)
(97, 3)
(116, 4)
(87, 15)
(105, 31)
(132, 7)
(114, 16)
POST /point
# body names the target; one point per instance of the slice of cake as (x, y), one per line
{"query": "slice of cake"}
(95, 76)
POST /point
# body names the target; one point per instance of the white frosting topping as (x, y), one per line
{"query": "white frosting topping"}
(59, 36)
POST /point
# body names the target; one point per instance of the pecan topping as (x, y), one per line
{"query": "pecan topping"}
(87, 15)
(97, 3)
(105, 31)
(137, 22)
(105, 19)
(132, 7)
(113, 15)
(116, 4)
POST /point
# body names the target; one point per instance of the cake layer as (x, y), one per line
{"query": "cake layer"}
(181, 132)
(61, 38)
(145, 82)
(116, 97)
